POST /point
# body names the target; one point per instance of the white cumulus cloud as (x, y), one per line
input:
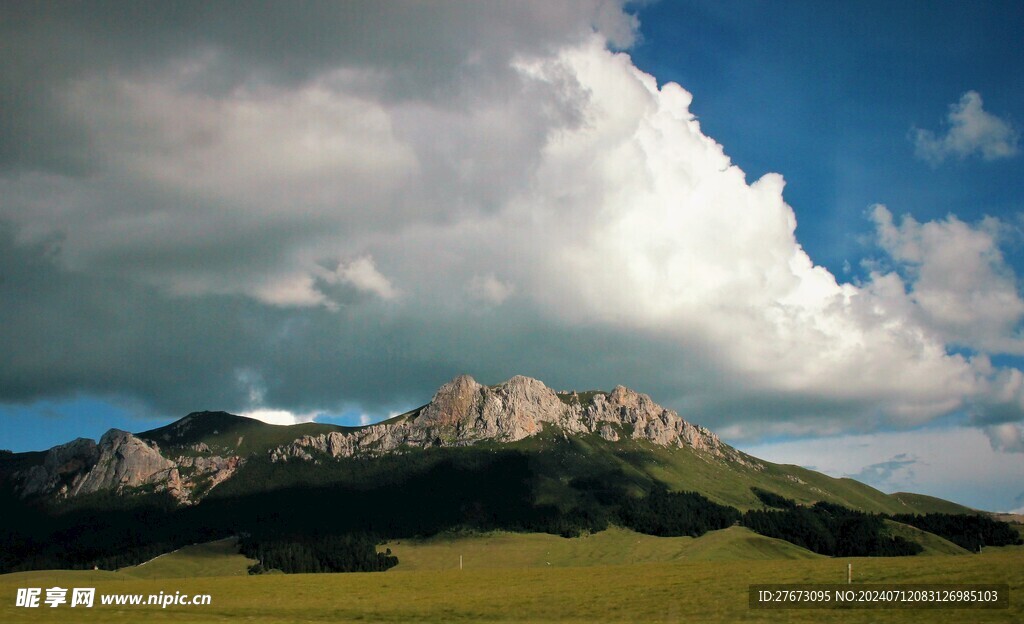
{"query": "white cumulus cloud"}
(363, 274)
(959, 281)
(1007, 437)
(972, 130)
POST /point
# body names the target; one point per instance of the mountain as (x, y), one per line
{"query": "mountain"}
(621, 432)
(516, 456)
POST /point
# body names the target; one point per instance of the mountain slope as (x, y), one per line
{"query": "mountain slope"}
(620, 435)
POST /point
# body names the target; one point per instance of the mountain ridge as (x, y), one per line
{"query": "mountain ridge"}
(464, 412)
(192, 456)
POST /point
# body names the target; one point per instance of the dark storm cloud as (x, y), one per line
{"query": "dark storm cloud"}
(419, 48)
(70, 333)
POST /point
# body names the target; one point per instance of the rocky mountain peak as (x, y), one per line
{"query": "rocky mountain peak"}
(622, 396)
(121, 462)
(531, 395)
(60, 466)
(464, 412)
(124, 461)
(453, 403)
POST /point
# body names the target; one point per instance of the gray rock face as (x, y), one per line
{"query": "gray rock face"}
(124, 461)
(464, 412)
(119, 462)
(202, 473)
(60, 466)
(649, 421)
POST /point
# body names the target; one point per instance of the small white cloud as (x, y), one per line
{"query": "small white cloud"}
(363, 275)
(489, 289)
(280, 417)
(1006, 437)
(972, 130)
(297, 290)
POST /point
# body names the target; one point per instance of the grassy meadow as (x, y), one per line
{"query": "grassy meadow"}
(613, 576)
(220, 558)
(614, 546)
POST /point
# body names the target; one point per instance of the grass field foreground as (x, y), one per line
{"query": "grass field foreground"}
(664, 591)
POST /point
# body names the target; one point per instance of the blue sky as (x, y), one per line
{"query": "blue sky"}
(827, 94)
(327, 214)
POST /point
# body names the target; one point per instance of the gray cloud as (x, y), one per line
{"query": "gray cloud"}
(1007, 437)
(894, 474)
(413, 49)
(343, 205)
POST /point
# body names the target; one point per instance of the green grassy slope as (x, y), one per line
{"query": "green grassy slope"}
(931, 503)
(723, 481)
(740, 543)
(219, 558)
(676, 591)
(613, 546)
(932, 544)
(229, 434)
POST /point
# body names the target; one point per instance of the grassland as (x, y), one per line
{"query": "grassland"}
(218, 558)
(932, 544)
(615, 546)
(618, 577)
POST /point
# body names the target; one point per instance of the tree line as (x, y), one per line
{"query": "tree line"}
(352, 552)
(970, 531)
(834, 530)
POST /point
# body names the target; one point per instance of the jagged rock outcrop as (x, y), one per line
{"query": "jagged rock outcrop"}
(203, 473)
(648, 420)
(465, 412)
(60, 467)
(124, 461)
(119, 462)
